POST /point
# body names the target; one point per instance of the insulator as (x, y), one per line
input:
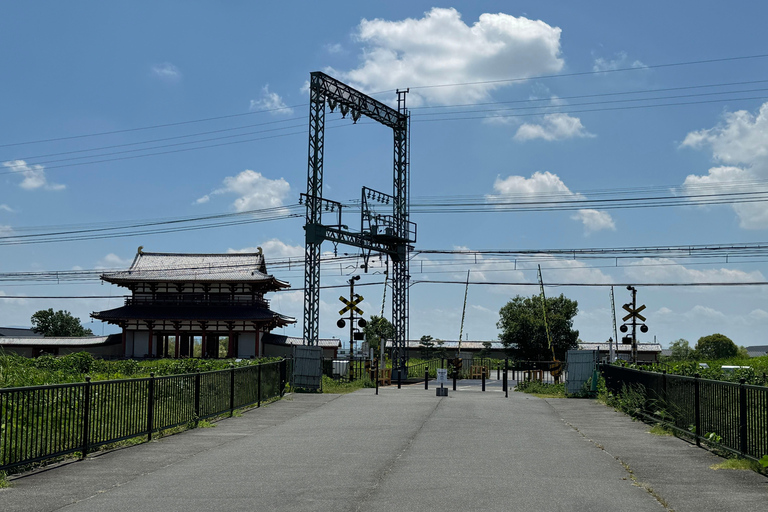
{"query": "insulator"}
(332, 105)
(387, 201)
(300, 199)
(344, 110)
(331, 207)
(355, 115)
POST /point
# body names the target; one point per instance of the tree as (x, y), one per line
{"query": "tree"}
(427, 345)
(60, 323)
(486, 350)
(521, 322)
(716, 346)
(378, 328)
(681, 350)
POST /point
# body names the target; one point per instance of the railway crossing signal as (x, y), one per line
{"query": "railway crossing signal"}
(351, 304)
(633, 313)
(635, 317)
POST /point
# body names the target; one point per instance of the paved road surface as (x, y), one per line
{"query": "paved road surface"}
(403, 450)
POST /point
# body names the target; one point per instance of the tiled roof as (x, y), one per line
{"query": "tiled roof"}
(603, 346)
(469, 345)
(280, 339)
(209, 313)
(235, 267)
(19, 332)
(26, 341)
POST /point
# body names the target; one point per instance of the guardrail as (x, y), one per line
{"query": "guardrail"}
(725, 414)
(46, 422)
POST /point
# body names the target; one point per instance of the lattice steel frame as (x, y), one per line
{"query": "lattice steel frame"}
(327, 90)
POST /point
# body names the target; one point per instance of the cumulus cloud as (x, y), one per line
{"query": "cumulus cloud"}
(553, 127)
(740, 142)
(334, 48)
(594, 220)
(274, 249)
(166, 72)
(543, 187)
(440, 48)
(254, 191)
(34, 175)
(112, 260)
(620, 60)
(667, 270)
(270, 101)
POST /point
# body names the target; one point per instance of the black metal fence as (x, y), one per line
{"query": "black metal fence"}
(46, 422)
(730, 415)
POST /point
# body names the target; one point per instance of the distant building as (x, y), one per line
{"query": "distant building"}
(757, 350)
(182, 301)
(415, 349)
(282, 346)
(646, 352)
(18, 332)
(37, 345)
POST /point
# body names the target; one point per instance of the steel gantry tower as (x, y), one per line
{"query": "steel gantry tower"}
(390, 234)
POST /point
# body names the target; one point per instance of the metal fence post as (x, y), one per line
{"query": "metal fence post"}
(231, 390)
(258, 385)
(664, 387)
(376, 374)
(506, 378)
(742, 417)
(283, 372)
(197, 397)
(86, 415)
(697, 408)
(150, 405)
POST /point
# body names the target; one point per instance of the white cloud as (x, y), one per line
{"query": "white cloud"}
(6, 230)
(254, 191)
(594, 220)
(166, 72)
(620, 61)
(274, 249)
(543, 187)
(441, 48)
(7, 208)
(334, 48)
(553, 127)
(34, 175)
(740, 142)
(112, 260)
(666, 270)
(203, 200)
(270, 101)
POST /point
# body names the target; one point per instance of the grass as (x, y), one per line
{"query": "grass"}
(660, 430)
(341, 388)
(737, 464)
(542, 390)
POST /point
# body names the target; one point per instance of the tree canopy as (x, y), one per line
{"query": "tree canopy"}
(716, 346)
(681, 350)
(60, 323)
(521, 321)
(378, 328)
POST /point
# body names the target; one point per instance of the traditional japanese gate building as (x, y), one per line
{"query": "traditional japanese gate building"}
(181, 305)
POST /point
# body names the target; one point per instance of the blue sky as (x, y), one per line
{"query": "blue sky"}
(577, 76)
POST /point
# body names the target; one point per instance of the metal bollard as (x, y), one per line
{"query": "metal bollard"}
(483, 372)
(454, 379)
(426, 378)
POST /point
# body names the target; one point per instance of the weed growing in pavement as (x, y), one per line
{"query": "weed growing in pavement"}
(542, 390)
(737, 463)
(660, 430)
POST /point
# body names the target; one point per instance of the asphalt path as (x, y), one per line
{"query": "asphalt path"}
(405, 450)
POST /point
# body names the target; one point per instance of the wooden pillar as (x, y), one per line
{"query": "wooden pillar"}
(204, 340)
(150, 338)
(231, 344)
(125, 340)
(177, 345)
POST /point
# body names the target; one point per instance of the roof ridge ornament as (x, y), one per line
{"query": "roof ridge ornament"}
(140, 250)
